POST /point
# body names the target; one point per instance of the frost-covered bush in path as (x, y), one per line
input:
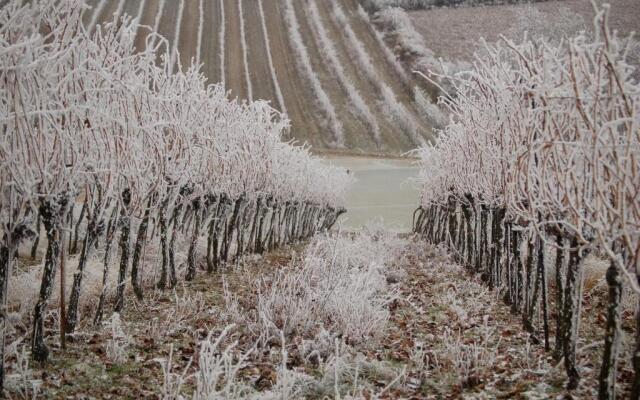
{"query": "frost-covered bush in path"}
(338, 284)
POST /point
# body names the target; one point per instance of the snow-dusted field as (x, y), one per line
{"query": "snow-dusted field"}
(453, 33)
(382, 191)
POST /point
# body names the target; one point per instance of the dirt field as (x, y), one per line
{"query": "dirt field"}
(453, 33)
(308, 121)
(210, 46)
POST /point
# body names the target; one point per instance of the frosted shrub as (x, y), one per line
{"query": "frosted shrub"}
(22, 381)
(187, 305)
(465, 358)
(118, 343)
(217, 376)
(398, 21)
(415, 52)
(340, 285)
(546, 139)
(186, 155)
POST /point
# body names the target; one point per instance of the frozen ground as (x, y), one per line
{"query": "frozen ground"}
(452, 33)
(382, 191)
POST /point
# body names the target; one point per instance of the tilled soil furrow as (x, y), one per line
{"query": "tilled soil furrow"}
(234, 63)
(390, 135)
(262, 84)
(189, 33)
(364, 31)
(350, 124)
(301, 109)
(210, 46)
(168, 23)
(147, 20)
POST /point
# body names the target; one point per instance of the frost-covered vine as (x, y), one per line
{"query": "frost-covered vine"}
(148, 154)
(544, 152)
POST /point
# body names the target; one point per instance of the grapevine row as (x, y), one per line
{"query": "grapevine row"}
(544, 155)
(147, 155)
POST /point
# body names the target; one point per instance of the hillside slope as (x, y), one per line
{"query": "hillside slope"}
(248, 45)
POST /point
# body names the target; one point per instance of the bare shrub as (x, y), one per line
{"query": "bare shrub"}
(22, 381)
(118, 343)
(340, 285)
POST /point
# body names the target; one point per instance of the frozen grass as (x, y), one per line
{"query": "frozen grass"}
(116, 347)
(22, 381)
(218, 369)
(444, 333)
(27, 277)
